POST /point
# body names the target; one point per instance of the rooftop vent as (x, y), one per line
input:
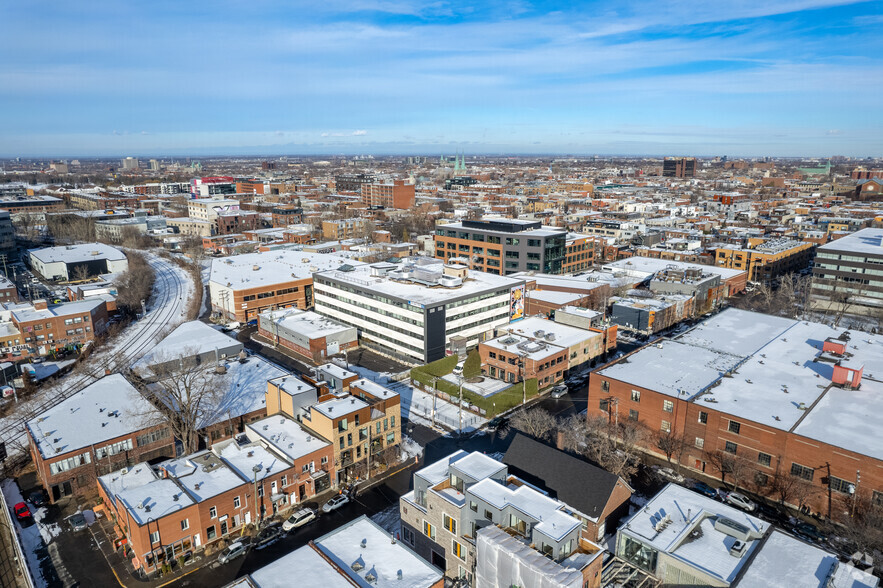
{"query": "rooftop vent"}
(364, 543)
(358, 565)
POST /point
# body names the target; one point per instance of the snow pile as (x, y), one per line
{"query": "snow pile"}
(48, 531)
(410, 448)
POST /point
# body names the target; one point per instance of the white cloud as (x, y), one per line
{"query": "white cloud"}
(359, 133)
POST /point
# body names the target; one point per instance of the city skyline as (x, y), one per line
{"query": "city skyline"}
(388, 77)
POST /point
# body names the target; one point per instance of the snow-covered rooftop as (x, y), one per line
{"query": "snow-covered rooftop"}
(187, 340)
(438, 471)
(26, 312)
(273, 267)
(681, 511)
(340, 406)
(77, 253)
(643, 267)
(104, 410)
(761, 368)
(381, 557)
(553, 297)
(419, 294)
(241, 390)
(117, 482)
(478, 466)
(553, 521)
(153, 500)
(279, 574)
(305, 322)
(203, 475)
(286, 436)
(868, 241)
(244, 459)
(785, 562)
(374, 389)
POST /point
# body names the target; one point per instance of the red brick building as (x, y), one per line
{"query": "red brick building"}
(760, 400)
(395, 194)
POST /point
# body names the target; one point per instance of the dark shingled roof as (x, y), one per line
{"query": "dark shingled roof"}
(579, 484)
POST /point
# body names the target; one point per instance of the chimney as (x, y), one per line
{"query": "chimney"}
(559, 440)
(41, 304)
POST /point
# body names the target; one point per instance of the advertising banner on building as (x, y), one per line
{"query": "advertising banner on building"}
(516, 303)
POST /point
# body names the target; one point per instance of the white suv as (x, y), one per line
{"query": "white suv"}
(299, 519)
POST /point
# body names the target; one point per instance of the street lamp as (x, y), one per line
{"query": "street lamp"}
(258, 515)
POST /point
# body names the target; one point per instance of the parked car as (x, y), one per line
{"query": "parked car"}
(22, 512)
(77, 521)
(705, 489)
(769, 513)
(558, 391)
(299, 519)
(741, 501)
(670, 475)
(232, 551)
(497, 423)
(269, 536)
(335, 503)
(38, 498)
(809, 532)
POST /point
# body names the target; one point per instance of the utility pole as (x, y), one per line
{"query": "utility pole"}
(858, 478)
(434, 397)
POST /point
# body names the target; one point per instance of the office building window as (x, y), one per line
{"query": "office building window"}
(636, 396)
(731, 447)
(734, 427)
(633, 415)
(703, 417)
(668, 405)
(802, 471)
(764, 459)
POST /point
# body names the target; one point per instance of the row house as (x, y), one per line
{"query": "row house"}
(167, 511)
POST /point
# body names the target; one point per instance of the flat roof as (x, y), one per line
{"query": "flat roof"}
(421, 295)
(374, 389)
(188, 340)
(682, 511)
(305, 564)
(478, 466)
(203, 475)
(77, 253)
(153, 500)
(553, 297)
(365, 541)
(340, 406)
(438, 471)
(286, 436)
(243, 459)
(26, 312)
(763, 368)
(553, 521)
(273, 267)
(868, 241)
(643, 267)
(785, 562)
(103, 410)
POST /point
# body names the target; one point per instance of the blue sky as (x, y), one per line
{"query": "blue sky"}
(792, 77)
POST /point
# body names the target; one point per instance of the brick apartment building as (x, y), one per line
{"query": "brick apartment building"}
(306, 333)
(766, 260)
(104, 427)
(185, 504)
(764, 399)
(244, 286)
(394, 194)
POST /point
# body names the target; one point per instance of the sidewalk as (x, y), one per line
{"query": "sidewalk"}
(128, 576)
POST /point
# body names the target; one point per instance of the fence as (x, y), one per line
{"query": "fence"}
(16, 542)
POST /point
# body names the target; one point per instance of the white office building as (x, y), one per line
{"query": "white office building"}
(415, 308)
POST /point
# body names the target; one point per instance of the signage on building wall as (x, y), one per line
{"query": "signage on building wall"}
(516, 303)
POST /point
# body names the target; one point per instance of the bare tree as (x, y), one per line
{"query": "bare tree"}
(613, 447)
(727, 464)
(186, 394)
(864, 524)
(672, 445)
(135, 285)
(536, 422)
(80, 273)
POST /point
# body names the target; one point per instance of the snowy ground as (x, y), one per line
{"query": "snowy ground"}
(166, 309)
(417, 405)
(34, 538)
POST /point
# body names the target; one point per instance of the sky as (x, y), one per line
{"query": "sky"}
(631, 77)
